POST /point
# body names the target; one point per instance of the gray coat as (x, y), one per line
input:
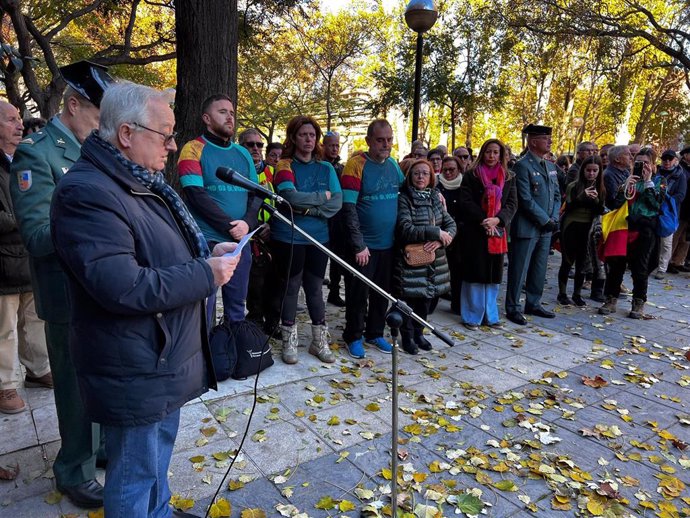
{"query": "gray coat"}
(539, 198)
(421, 220)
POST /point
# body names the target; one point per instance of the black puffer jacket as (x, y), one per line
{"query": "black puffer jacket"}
(137, 328)
(14, 258)
(421, 219)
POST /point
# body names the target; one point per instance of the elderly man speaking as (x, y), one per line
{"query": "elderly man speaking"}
(139, 271)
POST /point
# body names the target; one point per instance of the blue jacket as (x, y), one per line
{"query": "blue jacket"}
(539, 197)
(137, 324)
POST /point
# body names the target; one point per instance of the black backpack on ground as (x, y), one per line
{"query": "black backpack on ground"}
(239, 350)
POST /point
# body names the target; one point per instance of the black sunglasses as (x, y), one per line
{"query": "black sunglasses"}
(254, 144)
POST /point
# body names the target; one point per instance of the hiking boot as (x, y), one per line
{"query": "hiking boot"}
(11, 402)
(564, 300)
(609, 306)
(45, 381)
(637, 311)
(356, 349)
(319, 344)
(290, 342)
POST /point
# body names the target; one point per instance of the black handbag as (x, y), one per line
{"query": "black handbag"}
(239, 350)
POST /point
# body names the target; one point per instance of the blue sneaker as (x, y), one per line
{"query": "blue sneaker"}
(356, 349)
(381, 344)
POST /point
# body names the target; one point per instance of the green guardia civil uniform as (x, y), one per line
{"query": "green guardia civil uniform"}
(37, 166)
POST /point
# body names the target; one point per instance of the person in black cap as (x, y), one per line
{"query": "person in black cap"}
(676, 187)
(39, 162)
(536, 219)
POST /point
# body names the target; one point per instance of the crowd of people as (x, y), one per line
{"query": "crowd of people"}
(109, 275)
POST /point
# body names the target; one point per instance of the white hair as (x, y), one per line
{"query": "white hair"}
(123, 103)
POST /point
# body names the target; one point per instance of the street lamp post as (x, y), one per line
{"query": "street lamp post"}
(420, 16)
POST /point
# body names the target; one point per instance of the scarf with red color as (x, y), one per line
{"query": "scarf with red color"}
(493, 179)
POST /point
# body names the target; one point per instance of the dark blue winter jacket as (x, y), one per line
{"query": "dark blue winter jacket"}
(137, 326)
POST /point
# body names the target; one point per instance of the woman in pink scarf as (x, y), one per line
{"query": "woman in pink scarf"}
(487, 204)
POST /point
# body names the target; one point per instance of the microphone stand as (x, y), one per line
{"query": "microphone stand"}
(395, 319)
(396, 303)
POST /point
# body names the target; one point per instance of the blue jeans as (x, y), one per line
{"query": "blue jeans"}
(136, 477)
(234, 292)
(478, 303)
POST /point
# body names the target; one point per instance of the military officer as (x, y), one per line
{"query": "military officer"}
(39, 162)
(530, 231)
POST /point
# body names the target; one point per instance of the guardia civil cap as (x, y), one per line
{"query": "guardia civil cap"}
(535, 129)
(89, 79)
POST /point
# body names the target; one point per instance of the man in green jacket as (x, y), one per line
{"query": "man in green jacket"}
(39, 162)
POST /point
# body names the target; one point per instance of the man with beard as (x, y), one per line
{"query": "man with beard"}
(223, 211)
(539, 201)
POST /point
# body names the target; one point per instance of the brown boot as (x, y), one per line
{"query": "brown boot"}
(637, 311)
(11, 402)
(609, 306)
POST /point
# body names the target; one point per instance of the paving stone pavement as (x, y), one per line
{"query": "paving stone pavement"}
(469, 417)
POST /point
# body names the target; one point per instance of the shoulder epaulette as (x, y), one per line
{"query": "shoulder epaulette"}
(34, 137)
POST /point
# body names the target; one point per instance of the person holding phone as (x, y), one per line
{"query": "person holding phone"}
(584, 201)
(643, 193)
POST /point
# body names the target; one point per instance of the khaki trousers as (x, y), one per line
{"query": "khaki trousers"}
(21, 335)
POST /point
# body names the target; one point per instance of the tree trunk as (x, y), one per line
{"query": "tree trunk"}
(470, 123)
(206, 33)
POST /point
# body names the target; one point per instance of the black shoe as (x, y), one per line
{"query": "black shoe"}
(672, 268)
(101, 463)
(540, 312)
(408, 345)
(422, 343)
(88, 495)
(579, 301)
(564, 300)
(598, 297)
(182, 514)
(517, 318)
(334, 298)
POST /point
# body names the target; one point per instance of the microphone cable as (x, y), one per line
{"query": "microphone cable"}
(256, 378)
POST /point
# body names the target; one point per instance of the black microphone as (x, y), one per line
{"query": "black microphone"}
(234, 178)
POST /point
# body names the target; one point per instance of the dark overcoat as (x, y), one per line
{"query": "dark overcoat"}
(478, 266)
(137, 310)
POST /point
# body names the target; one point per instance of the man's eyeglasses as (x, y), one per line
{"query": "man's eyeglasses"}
(168, 138)
(254, 144)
